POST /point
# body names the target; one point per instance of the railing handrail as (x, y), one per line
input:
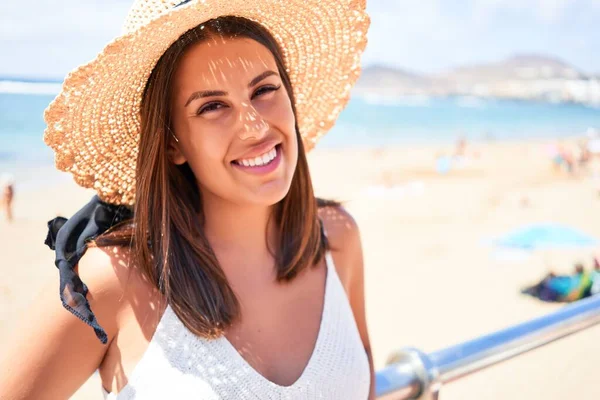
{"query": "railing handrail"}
(415, 374)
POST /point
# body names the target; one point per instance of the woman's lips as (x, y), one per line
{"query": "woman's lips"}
(265, 168)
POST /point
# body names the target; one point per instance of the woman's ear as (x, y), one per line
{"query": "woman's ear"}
(174, 152)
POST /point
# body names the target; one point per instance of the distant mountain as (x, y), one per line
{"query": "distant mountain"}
(524, 76)
(518, 67)
(377, 74)
(388, 80)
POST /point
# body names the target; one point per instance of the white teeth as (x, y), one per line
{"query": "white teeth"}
(260, 160)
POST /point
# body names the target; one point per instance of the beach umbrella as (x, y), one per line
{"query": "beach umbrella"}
(563, 288)
(545, 236)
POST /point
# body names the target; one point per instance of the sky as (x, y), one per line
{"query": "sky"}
(46, 39)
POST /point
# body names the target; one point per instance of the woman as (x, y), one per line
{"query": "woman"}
(229, 281)
(7, 186)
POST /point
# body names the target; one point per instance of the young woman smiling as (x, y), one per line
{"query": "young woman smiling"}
(206, 266)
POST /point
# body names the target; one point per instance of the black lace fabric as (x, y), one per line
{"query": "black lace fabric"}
(69, 238)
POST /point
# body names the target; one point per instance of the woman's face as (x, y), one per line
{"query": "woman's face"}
(234, 123)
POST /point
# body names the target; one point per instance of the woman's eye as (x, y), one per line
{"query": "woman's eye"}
(265, 89)
(209, 107)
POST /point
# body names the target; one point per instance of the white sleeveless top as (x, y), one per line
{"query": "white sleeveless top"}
(180, 365)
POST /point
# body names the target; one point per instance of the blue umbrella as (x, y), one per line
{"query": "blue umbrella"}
(545, 236)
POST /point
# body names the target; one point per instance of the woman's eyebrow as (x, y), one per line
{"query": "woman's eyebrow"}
(213, 93)
(204, 93)
(261, 77)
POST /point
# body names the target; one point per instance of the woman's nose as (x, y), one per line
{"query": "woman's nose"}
(252, 125)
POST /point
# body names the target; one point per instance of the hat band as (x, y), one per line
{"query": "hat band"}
(182, 3)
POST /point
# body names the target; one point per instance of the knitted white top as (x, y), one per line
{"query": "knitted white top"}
(181, 365)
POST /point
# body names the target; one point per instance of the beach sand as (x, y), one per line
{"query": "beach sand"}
(431, 279)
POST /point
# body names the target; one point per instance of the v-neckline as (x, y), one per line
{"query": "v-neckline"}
(169, 315)
(311, 360)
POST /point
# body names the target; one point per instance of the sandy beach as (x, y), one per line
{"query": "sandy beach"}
(431, 279)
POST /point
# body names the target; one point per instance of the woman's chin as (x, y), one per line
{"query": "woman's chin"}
(270, 193)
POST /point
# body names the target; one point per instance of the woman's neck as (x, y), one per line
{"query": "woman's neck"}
(234, 228)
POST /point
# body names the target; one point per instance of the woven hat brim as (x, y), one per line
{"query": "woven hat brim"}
(93, 124)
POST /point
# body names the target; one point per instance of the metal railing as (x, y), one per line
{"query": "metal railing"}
(413, 374)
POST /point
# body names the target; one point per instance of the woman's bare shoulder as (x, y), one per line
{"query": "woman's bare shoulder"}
(108, 267)
(341, 228)
(106, 271)
(118, 279)
(344, 240)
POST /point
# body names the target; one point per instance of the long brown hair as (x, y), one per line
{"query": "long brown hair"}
(166, 233)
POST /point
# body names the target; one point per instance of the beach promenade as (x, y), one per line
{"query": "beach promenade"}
(432, 280)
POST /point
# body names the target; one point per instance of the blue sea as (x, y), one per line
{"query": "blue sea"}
(368, 121)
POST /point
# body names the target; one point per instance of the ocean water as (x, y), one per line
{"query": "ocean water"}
(375, 121)
(367, 121)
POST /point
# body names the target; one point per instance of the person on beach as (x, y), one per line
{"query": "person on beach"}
(7, 188)
(567, 288)
(595, 289)
(205, 267)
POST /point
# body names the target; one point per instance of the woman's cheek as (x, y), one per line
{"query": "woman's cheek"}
(208, 150)
(281, 117)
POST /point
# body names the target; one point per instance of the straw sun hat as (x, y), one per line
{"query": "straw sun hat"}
(93, 124)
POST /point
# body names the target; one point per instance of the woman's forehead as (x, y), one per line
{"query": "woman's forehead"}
(220, 62)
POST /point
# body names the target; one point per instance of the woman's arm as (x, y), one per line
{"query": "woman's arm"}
(344, 238)
(357, 301)
(52, 353)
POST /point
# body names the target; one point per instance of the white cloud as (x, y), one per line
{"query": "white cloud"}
(423, 35)
(49, 39)
(49, 18)
(427, 36)
(546, 11)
